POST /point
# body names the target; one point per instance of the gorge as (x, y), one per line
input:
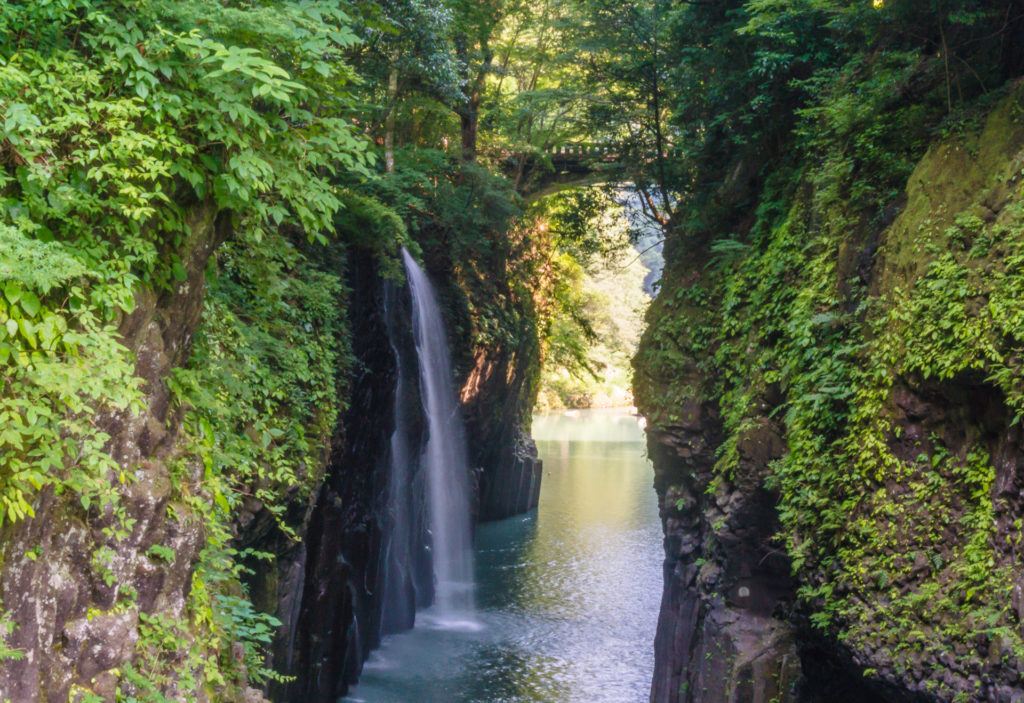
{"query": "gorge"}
(322, 324)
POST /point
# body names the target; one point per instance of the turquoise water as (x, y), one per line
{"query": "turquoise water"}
(567, 597)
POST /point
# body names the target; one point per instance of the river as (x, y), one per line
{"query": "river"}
(567, 597)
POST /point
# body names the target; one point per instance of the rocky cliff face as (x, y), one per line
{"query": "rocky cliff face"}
(73, 588)
(338, 619)
(329, 590)
(499, 376)
(832, 422)
(498, 396)
(723, 633)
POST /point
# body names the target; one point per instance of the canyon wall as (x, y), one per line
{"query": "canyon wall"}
(833, 406)
(72, 582)
(329, 588)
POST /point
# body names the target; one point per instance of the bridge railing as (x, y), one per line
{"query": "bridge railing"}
(582, 152)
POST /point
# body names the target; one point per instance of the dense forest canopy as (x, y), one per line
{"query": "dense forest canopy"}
(151, 148)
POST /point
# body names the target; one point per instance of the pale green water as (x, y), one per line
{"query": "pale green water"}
(567, 598)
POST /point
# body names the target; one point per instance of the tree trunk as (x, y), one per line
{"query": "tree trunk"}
(389, 121)
(469, 117)
(473, 86)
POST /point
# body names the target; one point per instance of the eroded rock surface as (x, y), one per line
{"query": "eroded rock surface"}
(73, 590)
(723, 634)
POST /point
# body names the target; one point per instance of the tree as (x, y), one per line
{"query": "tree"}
(627, 63)
(475, 26)
(538, 99)
(407, 49)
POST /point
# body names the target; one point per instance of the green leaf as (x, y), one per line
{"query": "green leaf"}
(178, 271)
(30, 303)
(28, 333)
(12, 291)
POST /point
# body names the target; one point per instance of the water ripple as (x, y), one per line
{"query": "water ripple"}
(567, 598)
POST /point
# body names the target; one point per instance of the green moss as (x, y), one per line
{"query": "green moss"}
(261, 397)
(952, 192)
(893, 552)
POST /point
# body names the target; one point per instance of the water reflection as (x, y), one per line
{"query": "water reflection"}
(567, 598)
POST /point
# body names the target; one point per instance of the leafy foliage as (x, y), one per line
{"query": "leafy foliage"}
(795, 294)
(591, 311)
(120, 119)
(264, 382)
(133, 136)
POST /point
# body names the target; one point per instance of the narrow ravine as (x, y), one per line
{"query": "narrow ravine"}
(288, 289)
(567, 596)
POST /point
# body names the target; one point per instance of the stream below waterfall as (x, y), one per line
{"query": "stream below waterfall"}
(567, 597)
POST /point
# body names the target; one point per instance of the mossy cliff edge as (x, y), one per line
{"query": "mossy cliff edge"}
(834, 399)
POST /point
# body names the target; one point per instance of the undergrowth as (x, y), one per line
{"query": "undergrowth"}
(900, 544)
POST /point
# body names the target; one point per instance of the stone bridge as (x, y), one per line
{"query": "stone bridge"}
(572, 154)
(570, 165)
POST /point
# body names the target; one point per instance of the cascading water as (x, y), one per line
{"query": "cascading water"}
(445, 459)
(399, 601)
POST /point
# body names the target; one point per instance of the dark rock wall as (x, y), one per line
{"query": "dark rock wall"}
(512, 486)
(722, 633)
(497, 397)
(338, 619)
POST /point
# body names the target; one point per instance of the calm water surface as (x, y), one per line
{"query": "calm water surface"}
(567, 598)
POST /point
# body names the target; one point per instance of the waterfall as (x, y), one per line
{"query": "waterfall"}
(399, 600)
(444, 457)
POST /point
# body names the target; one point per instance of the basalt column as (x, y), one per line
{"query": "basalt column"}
(341, 616)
